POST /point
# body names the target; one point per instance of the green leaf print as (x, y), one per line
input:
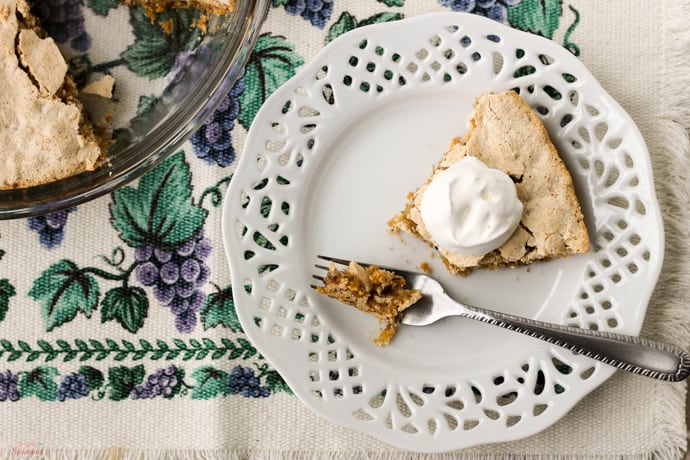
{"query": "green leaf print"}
(39, 382)
(275, 382)
(128, 306)
(123, 380)
(541, 17)
(160, 210)
(379, 18)
(64, 290)
(211, 383)
(102, 7)
(160, 40)
(272, 63)
(6, 291)
(150, 110)
(393, 2)
(219, 309)
(347, 22)
(94, 378)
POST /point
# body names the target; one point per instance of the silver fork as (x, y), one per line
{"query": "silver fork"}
(633, 354)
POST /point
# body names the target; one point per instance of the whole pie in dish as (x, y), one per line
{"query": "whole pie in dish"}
(372, 290)
(505, 134)
(44, 132)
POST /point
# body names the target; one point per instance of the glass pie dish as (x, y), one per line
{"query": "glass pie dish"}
(161, 95)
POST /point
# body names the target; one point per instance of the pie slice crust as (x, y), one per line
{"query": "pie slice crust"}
(504, 133)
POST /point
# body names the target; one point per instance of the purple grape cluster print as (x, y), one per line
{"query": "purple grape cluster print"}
(73, 386)
(315, 11)
(244, 382)
(492, 9)
(64, 22)
(213, 141)
(164, 382)
(8, 386)
(50, 227)
(177, 275)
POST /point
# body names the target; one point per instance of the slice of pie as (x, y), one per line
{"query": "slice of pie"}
(44, 132)
(372, 290)
(505, 134)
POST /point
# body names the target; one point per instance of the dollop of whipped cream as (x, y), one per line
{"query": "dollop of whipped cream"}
(471, 209)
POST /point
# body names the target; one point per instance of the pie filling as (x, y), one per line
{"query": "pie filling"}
(372, 290)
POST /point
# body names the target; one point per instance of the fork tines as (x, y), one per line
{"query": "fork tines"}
(318, 277)
(333, 259)
(321, 267)
(325, 267)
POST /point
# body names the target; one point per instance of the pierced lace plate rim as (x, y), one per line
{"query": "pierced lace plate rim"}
(339, 411)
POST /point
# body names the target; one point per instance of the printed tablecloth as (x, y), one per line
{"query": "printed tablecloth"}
(101, 358)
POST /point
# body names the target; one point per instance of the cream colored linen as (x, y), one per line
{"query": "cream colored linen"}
(639, 51)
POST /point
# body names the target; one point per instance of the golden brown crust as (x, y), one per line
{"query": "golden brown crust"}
(51, 136)
(211, 6)
(506, 134)
(372, 290)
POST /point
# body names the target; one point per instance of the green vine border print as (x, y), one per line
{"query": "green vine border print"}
(122, 349)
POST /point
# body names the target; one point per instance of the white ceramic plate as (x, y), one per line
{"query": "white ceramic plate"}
(329, 160)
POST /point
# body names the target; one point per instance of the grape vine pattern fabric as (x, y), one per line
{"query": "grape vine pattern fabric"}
(166, 252)
(126, 301)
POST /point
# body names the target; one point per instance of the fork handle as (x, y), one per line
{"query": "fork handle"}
(633, 354)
